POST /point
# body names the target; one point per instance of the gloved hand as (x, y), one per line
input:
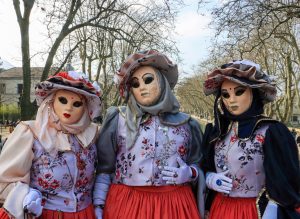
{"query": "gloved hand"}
(219, 182)
(98, 212)
(101, 188)
(32, 202)
(173, 175)
(270, 211)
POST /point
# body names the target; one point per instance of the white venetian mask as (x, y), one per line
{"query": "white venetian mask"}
(145, 86)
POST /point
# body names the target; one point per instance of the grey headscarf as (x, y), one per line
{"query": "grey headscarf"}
(134, 111)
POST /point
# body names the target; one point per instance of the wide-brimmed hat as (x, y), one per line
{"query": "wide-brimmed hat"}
(76, 82)
(244, 72)
(145, 58)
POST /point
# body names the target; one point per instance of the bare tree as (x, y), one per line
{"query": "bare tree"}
(65, 18)
(266, 32)
(147, 26)
(23, 21)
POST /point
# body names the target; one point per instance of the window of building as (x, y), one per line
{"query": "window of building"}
(2, 88)
(20, 88)
(294, 118)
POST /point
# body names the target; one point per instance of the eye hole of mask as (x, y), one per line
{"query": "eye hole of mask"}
(239, 91)
(77, 104)
(134, 83)
(225, 94)
(148, 78)
(63, 100)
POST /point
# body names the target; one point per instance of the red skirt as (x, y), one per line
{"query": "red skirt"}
(150, 202)
(3, 214)
(87, 213)
(224, 207)
(83, 214)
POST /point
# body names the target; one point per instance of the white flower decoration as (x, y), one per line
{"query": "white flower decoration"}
(248, 62)
(78, 75)
(96, 86)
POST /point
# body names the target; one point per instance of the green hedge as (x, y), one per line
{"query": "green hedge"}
(9, 112)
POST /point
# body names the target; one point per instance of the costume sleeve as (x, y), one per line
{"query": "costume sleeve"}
(281, 164)
(107, 142)
(208, 163)
(15, 163)
(195, 152)
(16, 156)
(194, 158)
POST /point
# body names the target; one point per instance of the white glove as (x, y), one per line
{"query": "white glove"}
(219, 182)
(270, 211)
(101, 188)
(32, 202)
(98, 212)
(173, 175)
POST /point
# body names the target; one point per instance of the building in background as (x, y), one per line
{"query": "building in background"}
(11, 84)
(295, 118)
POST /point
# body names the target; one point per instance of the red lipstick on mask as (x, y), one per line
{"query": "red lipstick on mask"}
(67, 115)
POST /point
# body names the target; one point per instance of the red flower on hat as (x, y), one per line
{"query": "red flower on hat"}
(89, 84)
(41, 93)
(65, 75)
(210, 84)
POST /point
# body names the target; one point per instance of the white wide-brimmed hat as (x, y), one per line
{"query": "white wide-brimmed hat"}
(76, 82)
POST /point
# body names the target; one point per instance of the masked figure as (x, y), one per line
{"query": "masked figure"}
(149, 149)
(251, 161)
(47, 165)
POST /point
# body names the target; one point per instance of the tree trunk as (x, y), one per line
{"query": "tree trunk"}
(27, 108)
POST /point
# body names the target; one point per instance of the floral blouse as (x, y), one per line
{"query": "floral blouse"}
(66, 180)
(156, 146)
(244, 160)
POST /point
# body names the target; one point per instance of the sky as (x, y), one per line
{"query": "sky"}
(193, 35)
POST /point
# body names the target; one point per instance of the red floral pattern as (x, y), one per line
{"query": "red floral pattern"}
(182, 150)
(260, 138)
(244, 160)
(66, 176)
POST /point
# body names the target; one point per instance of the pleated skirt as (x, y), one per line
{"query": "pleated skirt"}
(150, 202)
(224, 207)
(3, 214)
(87, 213)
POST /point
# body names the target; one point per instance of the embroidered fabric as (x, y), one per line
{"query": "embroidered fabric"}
(244, 160)
(66, 180)
(156, 146)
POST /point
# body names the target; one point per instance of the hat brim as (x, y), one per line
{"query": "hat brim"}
(247, 78)
(158, 61)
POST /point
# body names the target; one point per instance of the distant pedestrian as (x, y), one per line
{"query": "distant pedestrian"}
(298, 140)
(294, 133)
(11, 129)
